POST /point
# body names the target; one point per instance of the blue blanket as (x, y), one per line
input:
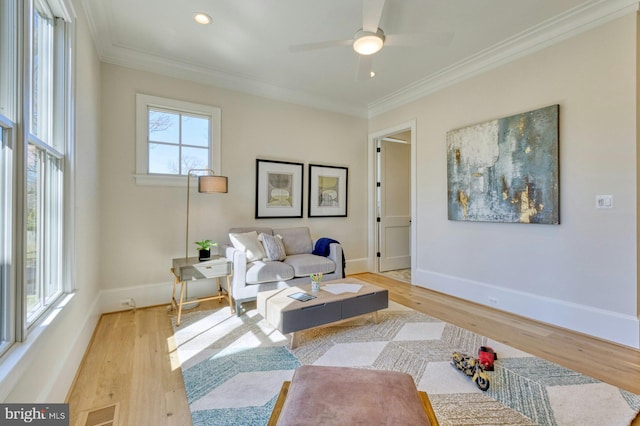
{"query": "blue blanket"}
(322, 249)
(322, 246)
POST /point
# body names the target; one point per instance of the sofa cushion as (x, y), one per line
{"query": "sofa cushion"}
(264, 272)
(306, 264)
(248, 242)
(296, 240)
(273, 247)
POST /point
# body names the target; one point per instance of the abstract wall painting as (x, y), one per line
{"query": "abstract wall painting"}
(505, 170)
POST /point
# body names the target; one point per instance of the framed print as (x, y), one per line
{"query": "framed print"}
(327, 191)
(278, 189)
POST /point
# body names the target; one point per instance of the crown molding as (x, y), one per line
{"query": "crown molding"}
(564, 26)
(160, 65)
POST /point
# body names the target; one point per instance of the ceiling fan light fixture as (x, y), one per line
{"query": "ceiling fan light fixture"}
(202, 18)
(368, 43)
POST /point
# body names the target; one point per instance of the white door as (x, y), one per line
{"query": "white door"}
(394, 206)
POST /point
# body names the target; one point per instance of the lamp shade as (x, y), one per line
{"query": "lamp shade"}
(208, 184)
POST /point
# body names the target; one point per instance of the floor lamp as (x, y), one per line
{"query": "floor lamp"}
(207, 184)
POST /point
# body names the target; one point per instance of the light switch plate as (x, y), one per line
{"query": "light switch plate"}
(604, 201)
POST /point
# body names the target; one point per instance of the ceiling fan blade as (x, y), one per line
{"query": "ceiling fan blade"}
(319, 45)
(439, 39)
(371, 14)
(365, 65)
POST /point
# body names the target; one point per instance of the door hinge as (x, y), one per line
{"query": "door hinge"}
(378, 184)
(377, 219)
(378, 254)
(378, 150)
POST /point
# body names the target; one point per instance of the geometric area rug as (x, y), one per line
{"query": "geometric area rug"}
(233, 368)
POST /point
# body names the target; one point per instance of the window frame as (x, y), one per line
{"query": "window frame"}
(143, 103)
(53, 187)
(17, 327)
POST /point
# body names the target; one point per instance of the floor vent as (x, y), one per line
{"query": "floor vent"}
(105, 416)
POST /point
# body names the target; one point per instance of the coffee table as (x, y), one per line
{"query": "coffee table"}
(290, 316)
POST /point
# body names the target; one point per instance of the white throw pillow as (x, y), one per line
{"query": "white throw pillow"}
(273, 246)
(248, 242)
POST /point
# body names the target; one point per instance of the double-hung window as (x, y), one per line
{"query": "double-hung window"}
(35, 140)
(44, 166)
(174, 137)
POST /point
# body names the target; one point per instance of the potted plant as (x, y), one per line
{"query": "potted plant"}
(204, 249)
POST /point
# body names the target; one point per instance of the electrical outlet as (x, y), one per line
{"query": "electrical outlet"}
(129, 303)
(493, 301)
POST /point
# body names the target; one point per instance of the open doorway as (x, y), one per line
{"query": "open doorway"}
(391, 232)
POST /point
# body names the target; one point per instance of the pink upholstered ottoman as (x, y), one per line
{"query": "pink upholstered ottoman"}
(351, 396)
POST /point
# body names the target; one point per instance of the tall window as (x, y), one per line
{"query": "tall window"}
(174, 137)
(44, 190)
(33, 160)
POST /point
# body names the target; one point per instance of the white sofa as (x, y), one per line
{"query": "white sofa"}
(251, 275)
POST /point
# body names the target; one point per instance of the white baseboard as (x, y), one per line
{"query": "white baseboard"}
(160, 293)
(608, 325)
(357, 266)
(149, 295)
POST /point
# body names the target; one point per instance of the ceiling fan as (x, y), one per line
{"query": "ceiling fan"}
(370, 39)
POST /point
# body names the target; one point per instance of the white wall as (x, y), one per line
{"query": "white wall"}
(43, 368)
(143, 227)
(581, 274)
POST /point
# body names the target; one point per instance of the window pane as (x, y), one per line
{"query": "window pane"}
(53, 240)
(164, 127)
(195, 130)
(164, 159)
(6, 300)
(194, 158)
(33, 267)
(42, 76)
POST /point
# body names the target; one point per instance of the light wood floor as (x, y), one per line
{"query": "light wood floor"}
(132, 362)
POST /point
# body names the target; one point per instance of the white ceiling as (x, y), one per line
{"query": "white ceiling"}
(246, 47)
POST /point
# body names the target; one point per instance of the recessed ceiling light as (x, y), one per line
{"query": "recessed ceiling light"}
(202, 18)
(372, 74)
